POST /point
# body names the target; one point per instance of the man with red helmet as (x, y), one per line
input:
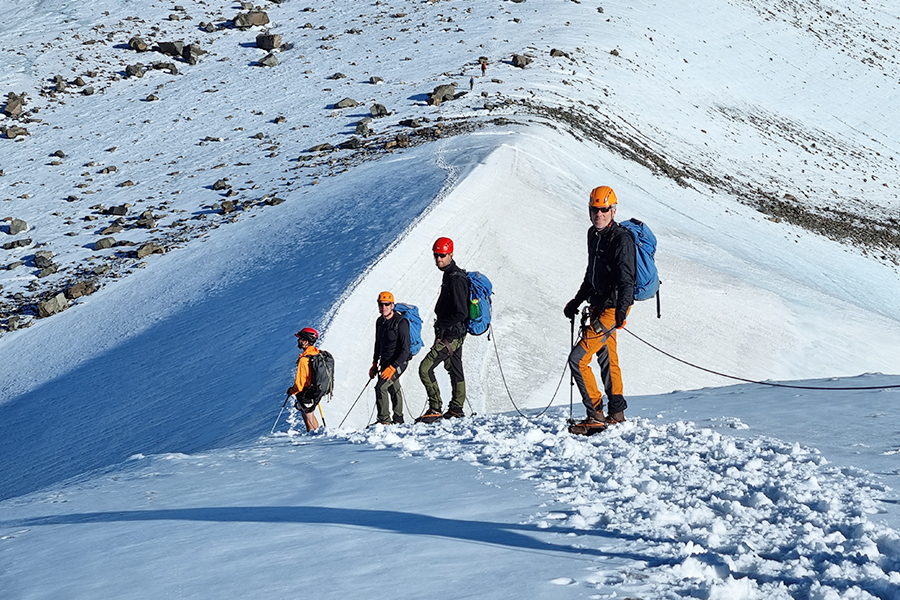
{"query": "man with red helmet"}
(451, 312)
(609, 288)
(306, 339)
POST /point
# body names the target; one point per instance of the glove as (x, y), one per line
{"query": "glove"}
(388, 372)
(620, 319)
(571, 308)
(373, 370)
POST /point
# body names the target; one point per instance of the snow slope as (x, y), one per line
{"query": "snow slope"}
(134, 455)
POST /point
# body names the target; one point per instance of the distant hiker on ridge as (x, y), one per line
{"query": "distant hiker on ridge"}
(451, 312)
(306, 338)
(392, 354)
(608, 286)
(471, 82)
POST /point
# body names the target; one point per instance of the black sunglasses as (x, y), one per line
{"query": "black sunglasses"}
(439, 255)
(603, 209)
(385, 304)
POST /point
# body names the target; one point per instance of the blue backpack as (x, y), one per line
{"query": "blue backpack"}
(646, 281)
(480, 290)
(410, 312)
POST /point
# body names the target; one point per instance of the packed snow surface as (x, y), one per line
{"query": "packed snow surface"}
(759, 141)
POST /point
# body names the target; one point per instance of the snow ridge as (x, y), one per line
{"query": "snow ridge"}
(744, 518)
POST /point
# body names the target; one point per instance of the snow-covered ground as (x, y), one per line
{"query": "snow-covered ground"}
(135, 455)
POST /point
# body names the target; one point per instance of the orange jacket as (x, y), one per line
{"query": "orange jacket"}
(304, 376)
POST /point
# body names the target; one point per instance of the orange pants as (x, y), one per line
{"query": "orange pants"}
(603, 344)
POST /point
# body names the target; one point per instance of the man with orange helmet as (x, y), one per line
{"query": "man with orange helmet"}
(451, 312)
(608, 287)
(391, 357)
(306, 339)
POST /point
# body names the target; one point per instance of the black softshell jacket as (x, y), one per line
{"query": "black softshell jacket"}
(392, 342)
(452, 308)
(609, 278)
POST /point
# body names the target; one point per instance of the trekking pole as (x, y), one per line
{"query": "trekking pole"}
(354, 402)
(279, 415)
(571, 375)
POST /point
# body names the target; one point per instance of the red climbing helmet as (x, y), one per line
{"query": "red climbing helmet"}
(443, 245)
(309, 334)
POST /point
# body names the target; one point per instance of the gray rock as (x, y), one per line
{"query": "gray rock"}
(378, 110)
(269, 60)
(82, 288)
(351, 144)
(375, 80)
(170, 48)
(117, 211)
(362, 128)
(138, 45)
(43, 259)
(15, 265)
(48, 271)
(136, 70)
(442, 93)
(52, 306)
(251, 19)
(320, 148)
(112, 229)
(221, 184)
(104, 243)
(338, 75)
(150, 248)
(146, 220)
(191, 54)
(88, 91)
(13, 132)
(15, 104)
(555, 53)
(13, 323)
(17, 226)
(268, 41)
(411, 123)
(346, 103)
(17, 244)
(165, 66)
(520, 61)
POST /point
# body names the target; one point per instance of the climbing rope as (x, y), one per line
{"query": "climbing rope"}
(769, 383)
(509, 393)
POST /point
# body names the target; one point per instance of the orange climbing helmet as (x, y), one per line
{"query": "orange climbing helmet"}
(602, 197)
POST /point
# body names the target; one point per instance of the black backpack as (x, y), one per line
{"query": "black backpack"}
(321, 368)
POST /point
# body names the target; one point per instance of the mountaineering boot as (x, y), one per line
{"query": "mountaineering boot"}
(454, 412)
(589, 426)
(398, 420)
(616, 417)
(431, 416)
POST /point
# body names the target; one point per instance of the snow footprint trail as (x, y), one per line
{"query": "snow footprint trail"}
(725, 517)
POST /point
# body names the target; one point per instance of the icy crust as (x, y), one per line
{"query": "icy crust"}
(717, 516)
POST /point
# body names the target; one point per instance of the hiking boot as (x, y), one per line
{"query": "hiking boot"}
(430, 416)
(588, 426)
(398, 420)
(598, 420)
(454, 413)
(616, 417)
(379, 422)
